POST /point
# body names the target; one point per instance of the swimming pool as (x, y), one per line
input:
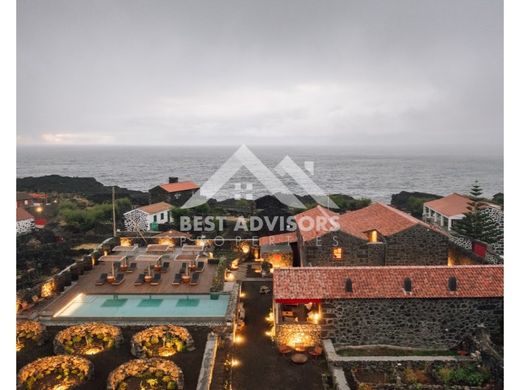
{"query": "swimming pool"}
(142, 306)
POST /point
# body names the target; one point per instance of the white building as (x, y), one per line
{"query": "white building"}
(142, 218)
(446, 211)
(24, 221)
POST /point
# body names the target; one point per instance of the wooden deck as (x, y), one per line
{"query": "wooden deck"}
(87, 284)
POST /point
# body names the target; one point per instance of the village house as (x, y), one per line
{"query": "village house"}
(374, 235)
(280, 250)
(24, 221)
(445, 212)
(408, 306)
(174, 192)
(147, 217)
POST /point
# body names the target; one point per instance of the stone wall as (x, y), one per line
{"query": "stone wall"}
(426, 323)
(417, 245)
(294, 333)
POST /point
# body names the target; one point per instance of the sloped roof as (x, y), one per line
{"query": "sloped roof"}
(323, 222)
(179, 186)
(22, 214)
(155, 208)
(454, 204)
(23, 196)
(473, 281)
(385, 219)
(283, 238)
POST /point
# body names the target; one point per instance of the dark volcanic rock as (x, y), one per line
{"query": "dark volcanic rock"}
(86, 186)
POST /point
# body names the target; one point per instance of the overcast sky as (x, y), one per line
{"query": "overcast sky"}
(152, 72)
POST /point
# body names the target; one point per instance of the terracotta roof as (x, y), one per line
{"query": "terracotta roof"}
(323, 222)
(179, 186)
(454, 204)
(378, 216)
(473, 281)
(155, 208)
(283, 238)
(22, 214)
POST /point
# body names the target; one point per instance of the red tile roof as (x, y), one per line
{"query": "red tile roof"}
(283, 238)
(473, 281)
(454, 204)
(378, 216)
(316, 222)
(179, 186)
(155, 208)
(22, 214)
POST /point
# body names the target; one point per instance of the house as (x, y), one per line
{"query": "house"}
(25, 199)
(375, 235)
(408, 306)
(279, 249)
(147, 217)
(444, 212)
(24, 221)
(174, 192)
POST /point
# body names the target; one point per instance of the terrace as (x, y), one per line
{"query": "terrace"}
(156, 273)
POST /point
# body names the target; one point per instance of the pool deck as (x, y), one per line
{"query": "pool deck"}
(86, 284)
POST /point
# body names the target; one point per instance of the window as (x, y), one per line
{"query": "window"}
(348, 285)
(155, 218)
(162, 216)
(372, 236)
(337, 253)
(408, 285)
(452, 283)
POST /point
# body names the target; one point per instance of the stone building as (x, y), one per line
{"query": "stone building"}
(410, 306)
(279, 249)
(24, 221)
(147, 217)
(375, 235)
(174, 192)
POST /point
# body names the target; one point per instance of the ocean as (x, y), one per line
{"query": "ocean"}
(357, 173)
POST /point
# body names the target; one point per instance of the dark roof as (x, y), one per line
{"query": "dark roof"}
(473, 281)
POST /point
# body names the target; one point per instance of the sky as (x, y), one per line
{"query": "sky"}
(423, 75)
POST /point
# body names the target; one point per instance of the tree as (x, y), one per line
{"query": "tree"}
(477, 224)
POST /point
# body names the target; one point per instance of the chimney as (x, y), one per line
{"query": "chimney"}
(173, 179)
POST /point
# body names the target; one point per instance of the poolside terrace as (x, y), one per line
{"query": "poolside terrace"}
(145, 260)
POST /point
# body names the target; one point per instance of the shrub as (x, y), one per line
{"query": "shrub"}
(409, 376)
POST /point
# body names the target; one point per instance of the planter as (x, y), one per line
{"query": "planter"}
(74, 272)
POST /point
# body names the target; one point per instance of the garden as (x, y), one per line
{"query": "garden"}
(144, 374)
(103, 363)
(87, 339)
(29, 334)
(59, 372)
(421, 375)
(161, 341)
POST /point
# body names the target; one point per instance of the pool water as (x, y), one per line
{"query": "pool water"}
(136, 306)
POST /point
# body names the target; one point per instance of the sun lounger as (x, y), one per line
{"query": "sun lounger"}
(200, 266)
(102, 279)
(120, 278)
(183, 268)
(165, 266)
(177, 280)
(132, 267)
(140, 280)
(194, 279)
(156, 279)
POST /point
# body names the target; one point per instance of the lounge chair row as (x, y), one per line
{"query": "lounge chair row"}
(120, 278)
(194, 279)
(155, 281)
